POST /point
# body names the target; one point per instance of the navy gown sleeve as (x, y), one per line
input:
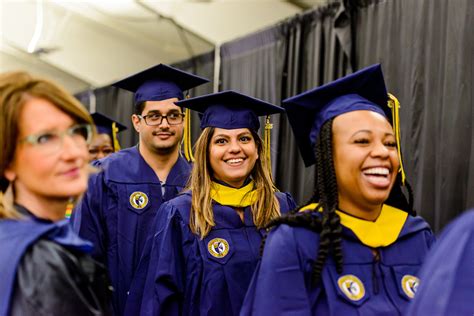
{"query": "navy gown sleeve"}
(74, 284)
(87, 217)
(447, 275)
(165, 279)
(278, 286)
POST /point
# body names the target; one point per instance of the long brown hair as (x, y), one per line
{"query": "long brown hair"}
(265, 208)
(16, 88)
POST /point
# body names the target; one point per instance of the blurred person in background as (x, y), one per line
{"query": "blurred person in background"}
(105, 142)
(45, 268)
(448, 272)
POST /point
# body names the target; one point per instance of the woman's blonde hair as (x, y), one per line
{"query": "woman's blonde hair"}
(265, 208)
(16, 88)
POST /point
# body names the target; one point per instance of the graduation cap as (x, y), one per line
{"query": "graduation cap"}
(159, 83)
(233, 110)
(362, 90)
(163, 82)
(230, 110)
(106, 125)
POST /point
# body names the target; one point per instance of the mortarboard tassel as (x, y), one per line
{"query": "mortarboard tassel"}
(188, 151)
(394, 104)
(115, 130)
(266, 141)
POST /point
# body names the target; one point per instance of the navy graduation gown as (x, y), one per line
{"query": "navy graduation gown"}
(17, 236)
(447, 286)
(118, 209)
(368, 286)
(190, 276)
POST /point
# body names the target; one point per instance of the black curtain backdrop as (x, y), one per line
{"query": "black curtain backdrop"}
(425, 48)
(318, 51)
(202, 65)
(254, 66)
(295, 55)
(118, 103)
(426, 53)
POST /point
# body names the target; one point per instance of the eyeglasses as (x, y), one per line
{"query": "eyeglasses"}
(51, 142)
(156, 119)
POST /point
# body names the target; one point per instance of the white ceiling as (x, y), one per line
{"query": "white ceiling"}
(92, 43)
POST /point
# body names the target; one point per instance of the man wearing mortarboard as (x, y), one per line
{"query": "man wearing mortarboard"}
(119, 208)
(105, 141)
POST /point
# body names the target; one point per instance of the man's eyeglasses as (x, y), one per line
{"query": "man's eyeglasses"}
(51, 142)
(155, 119)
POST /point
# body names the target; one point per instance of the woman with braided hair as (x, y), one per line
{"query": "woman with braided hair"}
(356, 248)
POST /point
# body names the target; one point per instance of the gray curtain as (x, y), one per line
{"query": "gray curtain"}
(276, 63)
(254, 66)
(202, 65)
(425, 47)
(118, 103)
(318, 51)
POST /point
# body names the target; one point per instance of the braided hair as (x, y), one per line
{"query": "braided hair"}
(326, 195)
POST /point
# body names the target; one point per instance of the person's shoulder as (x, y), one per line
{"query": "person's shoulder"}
(126, 166)
(414, 225)
(179, 206)
(51, 266)
(181, 200)
(183, 164)
(287, 203)
(14, 227)
(465, 222)
(113, 166)
(290, 235)
(288, 245)
(120, 158)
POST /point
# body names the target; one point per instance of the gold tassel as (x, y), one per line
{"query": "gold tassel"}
(394, 104)
(188, 150)
(266, 141)
(115, 131)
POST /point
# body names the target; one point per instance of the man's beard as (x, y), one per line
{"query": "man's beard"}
(165, 149)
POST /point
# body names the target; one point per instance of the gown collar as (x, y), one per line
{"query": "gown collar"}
(382, 232)
(225, 195)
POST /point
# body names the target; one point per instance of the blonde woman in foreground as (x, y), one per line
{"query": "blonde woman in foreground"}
(45, 268)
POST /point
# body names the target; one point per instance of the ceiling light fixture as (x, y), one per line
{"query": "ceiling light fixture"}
(38, 27)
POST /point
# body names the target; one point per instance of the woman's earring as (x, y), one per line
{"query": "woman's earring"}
(69, 208)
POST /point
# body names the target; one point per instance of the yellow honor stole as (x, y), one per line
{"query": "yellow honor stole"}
(383, 232)
(228, 196)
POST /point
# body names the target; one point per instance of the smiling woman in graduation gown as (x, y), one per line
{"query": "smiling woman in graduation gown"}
(206, 243)
(45, 268)
(349, 252)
